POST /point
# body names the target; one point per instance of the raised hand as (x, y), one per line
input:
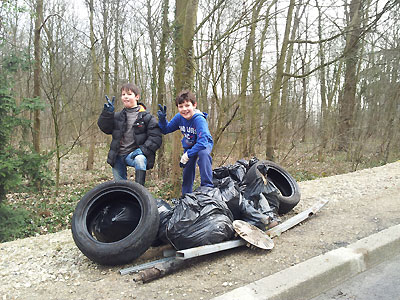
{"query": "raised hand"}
(162, 113)
(109, 106)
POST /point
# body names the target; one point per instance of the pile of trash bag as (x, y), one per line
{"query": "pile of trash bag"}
(205, 216)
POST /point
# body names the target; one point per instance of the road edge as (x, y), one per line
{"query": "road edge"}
(318, 274)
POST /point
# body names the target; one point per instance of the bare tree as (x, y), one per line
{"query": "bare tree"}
(348, 101)
(150, 20)
(185, 24)
(244, 133)
(95, 87)
(37, 72)
(117, 20)
(161, 91)
(105, 43)
(256, 83)
(277, 85)
(284, 110)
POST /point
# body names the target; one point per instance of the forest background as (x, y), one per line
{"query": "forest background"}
(310, 84)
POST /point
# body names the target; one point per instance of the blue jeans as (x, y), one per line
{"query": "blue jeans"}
(139, 162)
(204, 161)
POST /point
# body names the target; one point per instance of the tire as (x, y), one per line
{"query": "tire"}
(287, 185)
(138, 234)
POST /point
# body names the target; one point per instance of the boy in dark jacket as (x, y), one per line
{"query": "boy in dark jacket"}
(136, 135)
(197, 141)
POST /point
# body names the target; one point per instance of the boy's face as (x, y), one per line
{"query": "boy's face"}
(186, 109)
(129, 99)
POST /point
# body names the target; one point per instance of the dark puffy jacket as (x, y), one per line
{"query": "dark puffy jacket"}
(147, 133)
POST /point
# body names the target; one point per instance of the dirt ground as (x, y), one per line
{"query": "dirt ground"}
(360, 204)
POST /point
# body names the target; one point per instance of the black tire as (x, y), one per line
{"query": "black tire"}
(134, 241)
(287, 185)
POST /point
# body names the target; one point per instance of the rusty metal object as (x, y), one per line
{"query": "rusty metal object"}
(161, 269)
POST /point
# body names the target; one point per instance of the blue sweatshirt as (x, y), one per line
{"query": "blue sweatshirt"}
(196, 135)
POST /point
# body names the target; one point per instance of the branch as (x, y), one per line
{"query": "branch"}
(317, 42)
(208, 16)
(226, 125)
(388, 6)
(315, 69)
(230, 152)
(47, 18)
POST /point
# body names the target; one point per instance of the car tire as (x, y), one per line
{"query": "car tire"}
(134, 241)
(289, 195)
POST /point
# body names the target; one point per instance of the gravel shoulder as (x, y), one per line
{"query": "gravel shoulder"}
(52, 267)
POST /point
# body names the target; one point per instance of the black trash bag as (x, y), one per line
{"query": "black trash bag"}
(253, 187)
(230, 194)
(253, 161)
(248, 163)
(200, 218)
(244, 163)
(252, 214)
(235, 171)
(259, 204)
(220, 173)
(257, 211)
(242, 208)
(114, 222)
(244, 197)
(283, 194)
(165, 212)
(271, 194)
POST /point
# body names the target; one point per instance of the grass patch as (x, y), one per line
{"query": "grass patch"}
(15, 223)
(38, 213)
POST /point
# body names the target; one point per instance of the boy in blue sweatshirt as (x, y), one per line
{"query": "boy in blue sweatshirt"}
(197, 141)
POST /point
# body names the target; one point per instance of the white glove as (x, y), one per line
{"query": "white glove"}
(184, 159)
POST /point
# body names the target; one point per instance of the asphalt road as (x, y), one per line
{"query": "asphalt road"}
(380, 282)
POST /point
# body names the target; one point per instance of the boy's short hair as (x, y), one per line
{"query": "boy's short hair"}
(185, 95)
(130, 87)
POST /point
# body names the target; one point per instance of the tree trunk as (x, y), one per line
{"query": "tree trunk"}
(244, 102)
(277, 86)
(37, 72)
(153, 48)
(255, 114)
(323, 135)
(348, 101)
(161, 93)
(185, 22)
(304, 101)
(116, 47)
(95, 92)
(106, 48)
(284, 110)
